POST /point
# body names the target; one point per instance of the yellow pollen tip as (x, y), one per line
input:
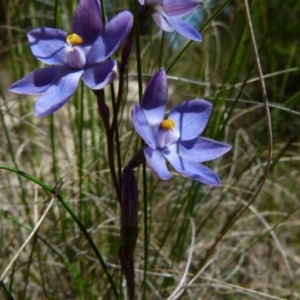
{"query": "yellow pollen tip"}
(167, 124)
(74, 39)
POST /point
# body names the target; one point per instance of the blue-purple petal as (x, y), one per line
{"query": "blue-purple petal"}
(48, 45)
(111, 37)
(142, 127)
(155, 99)
(57, 94)
(192, 169)
(161, 22)
(100, 75)
(154, 2)
(191, 117)
(157, 163)
(184, 29)
(35, 82)
(176, 8)
(87, 20)
(200, 149)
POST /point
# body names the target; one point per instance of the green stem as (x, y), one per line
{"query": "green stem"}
(139, 71)
(80, 158)
(6, 290)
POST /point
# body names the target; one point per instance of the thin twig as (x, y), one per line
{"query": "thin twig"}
(181, 286)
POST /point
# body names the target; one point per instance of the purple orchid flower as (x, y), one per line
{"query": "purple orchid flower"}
(83, 54)
(176, 138)
(167, 13)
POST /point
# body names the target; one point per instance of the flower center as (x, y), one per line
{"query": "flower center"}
(167, 124)
(74, 39)
(74, 51)
(167, 133)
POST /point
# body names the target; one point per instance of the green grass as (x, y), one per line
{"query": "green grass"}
(189, 235)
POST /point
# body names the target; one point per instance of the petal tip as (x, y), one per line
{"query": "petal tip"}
(41, 113)
(198, 39)
(17, 89)
(11, 88)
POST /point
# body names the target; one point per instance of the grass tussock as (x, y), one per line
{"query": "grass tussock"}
(193, 240)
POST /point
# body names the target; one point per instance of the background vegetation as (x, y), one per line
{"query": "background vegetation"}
(190, 240)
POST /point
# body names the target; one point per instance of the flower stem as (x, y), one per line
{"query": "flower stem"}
(104, 113)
